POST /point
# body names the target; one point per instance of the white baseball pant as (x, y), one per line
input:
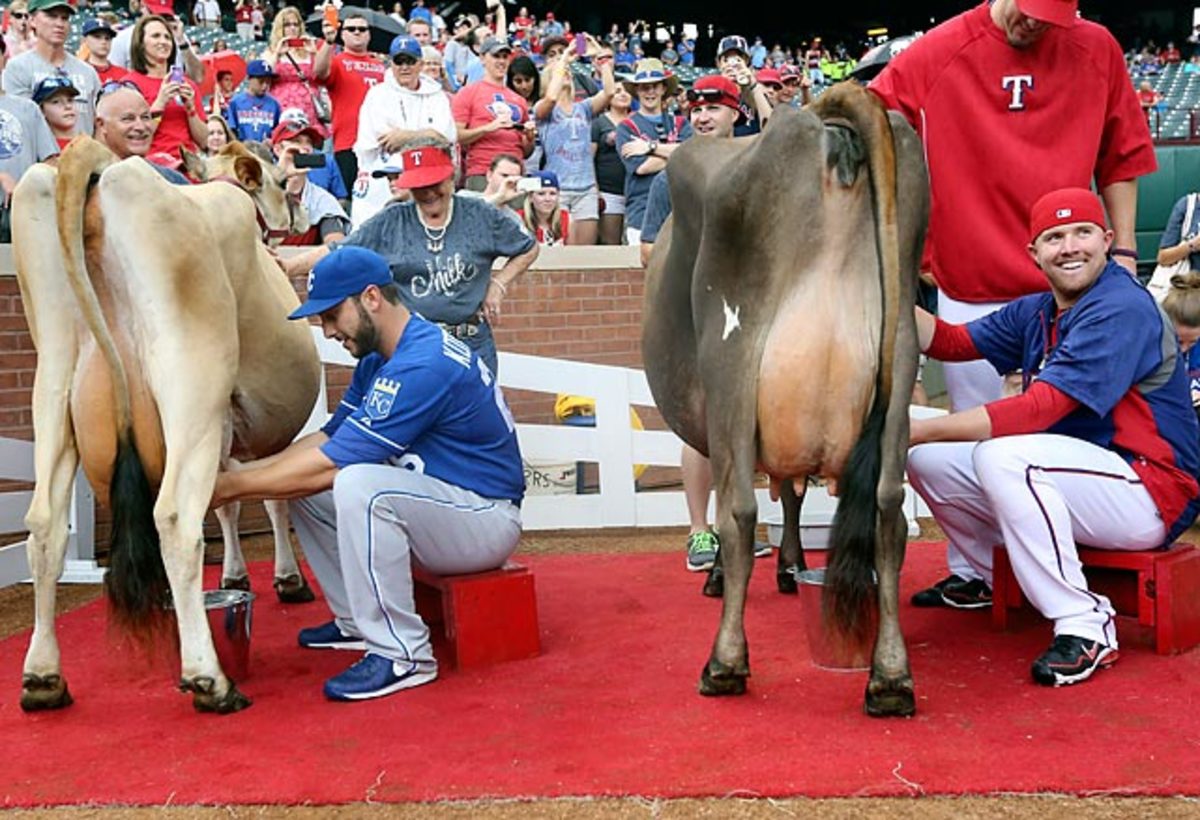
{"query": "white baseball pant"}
(1039, 495)
(361, 536)
(968, 384)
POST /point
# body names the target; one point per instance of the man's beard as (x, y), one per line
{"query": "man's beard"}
(366, 340)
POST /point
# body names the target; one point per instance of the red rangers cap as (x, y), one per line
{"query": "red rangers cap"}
(1055, 12)
(424, 166)
(1065, 206)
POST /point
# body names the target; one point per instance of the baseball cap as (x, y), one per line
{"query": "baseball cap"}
(346, 272)
(715, 88)
(291, 129)
(405, 45)
(259, 68)
(1064, 207)
(550, 42)
(492, 45)
(46, 5)
(94, 26)
(789, 72)
(768, 75)
(49, 86)
(424, 166)
(733, 42)
(1055, 12)
(163, 8)
(387, 171)
(548, 179)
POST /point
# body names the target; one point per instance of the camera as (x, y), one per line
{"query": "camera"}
(527, 185)
(310, 159)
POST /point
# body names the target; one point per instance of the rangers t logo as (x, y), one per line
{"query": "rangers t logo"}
(381, 398)
(1017, 83)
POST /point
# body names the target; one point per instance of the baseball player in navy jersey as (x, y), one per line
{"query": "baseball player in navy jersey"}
(1102, 447)
(420, 462)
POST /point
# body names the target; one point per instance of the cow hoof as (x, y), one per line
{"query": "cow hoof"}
(242, 583)
(714, 584)
(293, 589)
(42, 692)
(721, 679)
(205, 698)
(890, 698)
(785, 579)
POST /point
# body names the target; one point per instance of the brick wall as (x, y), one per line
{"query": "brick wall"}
(582, 304)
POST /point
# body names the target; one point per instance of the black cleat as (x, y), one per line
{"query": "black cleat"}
(1071, 660)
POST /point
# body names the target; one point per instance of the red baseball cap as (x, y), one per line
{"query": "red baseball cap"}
(1055, 12)
(424, 166)
(290, 129)
(715, 88)
(1065, 206)
(164, 8)
(769, 75)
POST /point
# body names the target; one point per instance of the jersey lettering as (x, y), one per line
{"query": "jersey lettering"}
(1017, 83)
(456, 349)
(485, 374)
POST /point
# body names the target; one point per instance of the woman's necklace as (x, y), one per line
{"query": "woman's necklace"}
(435, 238)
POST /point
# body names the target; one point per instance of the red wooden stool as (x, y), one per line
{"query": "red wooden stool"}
(1161, 588)
(484, 617)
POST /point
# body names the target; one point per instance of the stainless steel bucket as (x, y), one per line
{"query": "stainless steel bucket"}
(230, 614)
(829, 650)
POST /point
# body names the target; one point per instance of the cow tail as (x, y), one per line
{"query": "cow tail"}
(849, 582)
(136, 581)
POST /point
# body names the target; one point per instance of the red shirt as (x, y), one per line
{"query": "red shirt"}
(172, 129)
(350, 75)
(472, 107)
(1002, 126)
(113, 72)
(243, 14)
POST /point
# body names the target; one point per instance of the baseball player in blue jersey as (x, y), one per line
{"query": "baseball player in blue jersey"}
(420, 462)
(1102, 447)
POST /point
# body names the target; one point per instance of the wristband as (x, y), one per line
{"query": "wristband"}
(1126, 252)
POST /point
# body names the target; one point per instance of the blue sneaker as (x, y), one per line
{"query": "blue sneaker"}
(375, 676)
(329, 636)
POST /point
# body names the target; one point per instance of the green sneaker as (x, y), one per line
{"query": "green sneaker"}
(702, 551)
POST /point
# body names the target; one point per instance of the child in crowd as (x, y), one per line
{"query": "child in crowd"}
(1182, 305)
(253, 114)
(56, 97)
(543, 215)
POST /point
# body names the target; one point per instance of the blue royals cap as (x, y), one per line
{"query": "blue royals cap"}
(408, 46)
(346, 272)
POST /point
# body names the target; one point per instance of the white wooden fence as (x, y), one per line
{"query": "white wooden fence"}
(613, 444)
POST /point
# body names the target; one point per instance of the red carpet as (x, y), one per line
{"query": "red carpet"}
(609, 709)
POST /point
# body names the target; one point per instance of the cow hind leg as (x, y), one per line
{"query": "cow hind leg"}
(291, 587)
(233, 567)
(729, 663)
(42, 683)
(791, 551)
(179, 515)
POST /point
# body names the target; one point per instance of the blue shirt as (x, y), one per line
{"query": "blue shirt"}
(329, 178)
(253, 118)
(433, 407)
(661, 128)
(658, 207)
(567, 144)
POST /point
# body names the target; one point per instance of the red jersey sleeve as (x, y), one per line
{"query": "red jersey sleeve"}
(1035, 410)
(952, 343)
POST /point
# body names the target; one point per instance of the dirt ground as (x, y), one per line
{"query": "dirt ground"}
(16, 614)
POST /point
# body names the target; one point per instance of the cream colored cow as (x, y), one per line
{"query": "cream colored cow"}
(160, 321)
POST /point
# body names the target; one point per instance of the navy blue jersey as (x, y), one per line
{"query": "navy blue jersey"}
(432, 407)
(1115, 353)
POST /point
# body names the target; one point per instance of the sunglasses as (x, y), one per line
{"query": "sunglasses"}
(109, 86)
(403, 60)
(772, 86)
(18, 15)
(705, 95)
(791, 83)
(356, 29)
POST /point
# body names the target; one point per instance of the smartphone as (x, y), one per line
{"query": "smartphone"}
(176, 75)
(296, 42)
(580, 44)
(310, 159)
(527, 185)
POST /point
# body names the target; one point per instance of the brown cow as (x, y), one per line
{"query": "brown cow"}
(160, 321)
(779, 337)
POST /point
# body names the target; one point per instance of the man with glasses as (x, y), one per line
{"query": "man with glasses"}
(714, 109)
(125, 125)
(347, 76)
(49, 58)
(405, 105)
(25, 138)
(490, 116)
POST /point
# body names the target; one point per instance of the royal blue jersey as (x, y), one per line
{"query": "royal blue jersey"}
(432, 407)
(1115, 353)
(253, 118)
